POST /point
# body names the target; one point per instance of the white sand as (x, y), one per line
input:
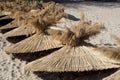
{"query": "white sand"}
(107, 13)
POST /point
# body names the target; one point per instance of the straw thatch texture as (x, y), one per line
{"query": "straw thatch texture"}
(5, 18)
(45, 19)
(22, 5)
(15, 22)
(112, 53)
(85, 28)
(20, 31)
(2, 15)
(55, 32)
(69, 58)
(10, 25)
(34, 43)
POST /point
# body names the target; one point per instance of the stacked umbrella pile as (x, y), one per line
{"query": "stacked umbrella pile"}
(74, 54)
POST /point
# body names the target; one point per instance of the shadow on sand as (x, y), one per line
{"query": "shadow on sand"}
(93, 75)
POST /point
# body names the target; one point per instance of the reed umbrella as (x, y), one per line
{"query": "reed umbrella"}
(76, 56)
(47, 19)
(15, 13)
(38, 42)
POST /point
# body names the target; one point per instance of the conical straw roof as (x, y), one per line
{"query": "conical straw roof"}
(69, 58)
(75, 56)
(34, 43)
(38, 42)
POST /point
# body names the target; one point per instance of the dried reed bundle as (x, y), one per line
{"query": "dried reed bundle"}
(85, 29)
(72, 57)
(38, 42)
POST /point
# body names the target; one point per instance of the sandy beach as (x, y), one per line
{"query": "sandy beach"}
(106, 13)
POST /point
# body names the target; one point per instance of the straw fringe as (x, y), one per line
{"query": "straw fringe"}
(34, 43)
(112, 53)
(84, 29)
(10, 25)
(72, 59)
(94, 29)
(55, 33)
(5, 17)
(20, 31)
(2, 15)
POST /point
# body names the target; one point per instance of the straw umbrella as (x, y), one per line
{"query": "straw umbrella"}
(38, 42)
(47, 18)
(15, 13)
(77, 55)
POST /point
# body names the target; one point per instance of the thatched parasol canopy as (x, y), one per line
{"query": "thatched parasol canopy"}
(34, 43)
(67, 59)
(46, 17)
(75, 56)
(38, 42)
